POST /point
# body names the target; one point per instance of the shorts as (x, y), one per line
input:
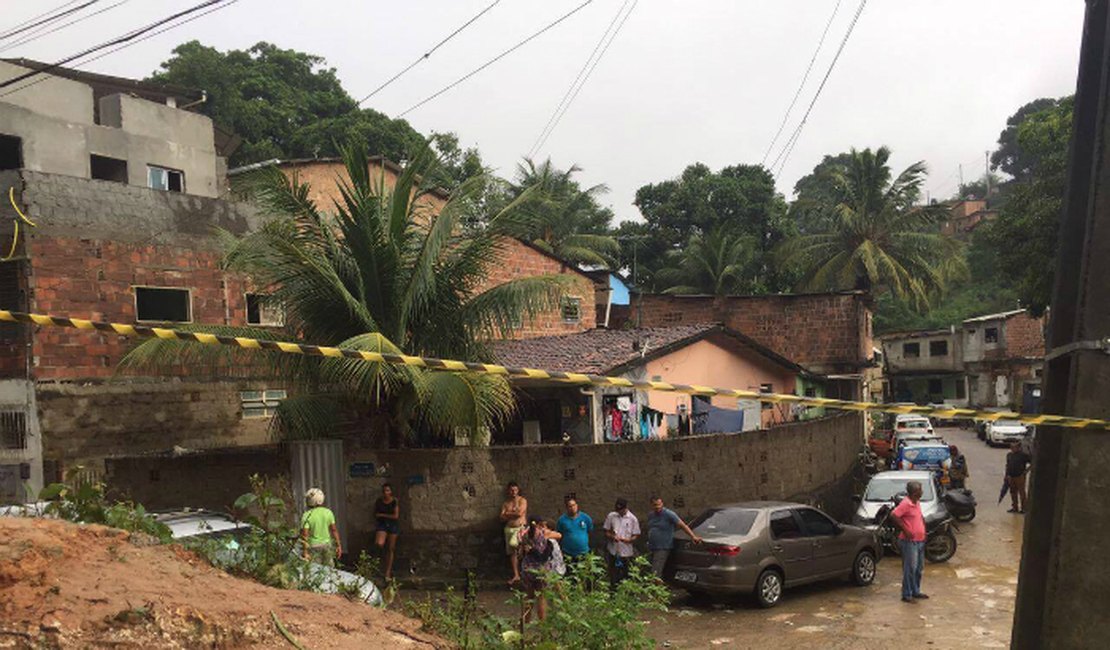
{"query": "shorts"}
(388, 526)
(512, 539)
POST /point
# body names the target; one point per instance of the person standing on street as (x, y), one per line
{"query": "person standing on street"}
(622, 528)
(1017, 466)
(912, 542)
(661, 523)
(387, 512)
(575, 526)
(319, 535)
(958, 473)
(514, 514)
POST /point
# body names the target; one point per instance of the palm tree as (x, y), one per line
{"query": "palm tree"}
(715, 264)
(565, 219)
(382, 270)
(877, 238)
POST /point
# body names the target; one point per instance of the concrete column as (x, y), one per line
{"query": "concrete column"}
(1065, 578)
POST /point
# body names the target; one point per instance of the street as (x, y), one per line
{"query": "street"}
(971, 596)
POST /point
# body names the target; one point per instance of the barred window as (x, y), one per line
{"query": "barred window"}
(261, 403)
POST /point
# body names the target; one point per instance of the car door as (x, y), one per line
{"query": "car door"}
(832, 550)
(791, 547)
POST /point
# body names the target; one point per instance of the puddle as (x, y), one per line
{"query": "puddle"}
(811, 629)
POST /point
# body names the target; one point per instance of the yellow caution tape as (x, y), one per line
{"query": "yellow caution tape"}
(143, 331)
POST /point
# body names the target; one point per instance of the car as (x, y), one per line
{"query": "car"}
(912, 422)
(763, 547)
(981, 425)
(929, 455)
(1004, 432)
(197, 524)
(886, 486)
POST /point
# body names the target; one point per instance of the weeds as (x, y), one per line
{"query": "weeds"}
(87, 504)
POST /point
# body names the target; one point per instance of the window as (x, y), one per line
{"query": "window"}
(162, 305)
(991, 335)
(911, 350)
(260, 403)
(572, 310)
(816, 523)
(811, 391)
(11, 298)
(11, 152)
(725, 521)
(13, 430)
(936, 387)
(161, 178)
(784, 526)
(938, 348)
(767, 388)
(104, 168)
(262, 311)
(961, 389)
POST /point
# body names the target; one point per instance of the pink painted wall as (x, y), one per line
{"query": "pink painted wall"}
(718, 364)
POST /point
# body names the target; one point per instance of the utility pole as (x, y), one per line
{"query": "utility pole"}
(1064, 574)
(961, 192)
(987, 155)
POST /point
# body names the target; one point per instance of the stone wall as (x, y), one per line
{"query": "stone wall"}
(450, 498)
(825, 332)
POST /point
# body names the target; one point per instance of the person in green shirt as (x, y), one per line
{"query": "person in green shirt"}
(318, 531)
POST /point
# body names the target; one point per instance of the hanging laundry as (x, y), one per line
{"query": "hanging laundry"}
(624, 403)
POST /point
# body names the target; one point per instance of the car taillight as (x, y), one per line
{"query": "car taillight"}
(724, 550)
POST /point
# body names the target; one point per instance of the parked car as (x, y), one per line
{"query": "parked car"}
(1004, 432)
(762, 547)
(931, 455)
(198, 524)
(912, 422)
(887, 485)
(981, 425)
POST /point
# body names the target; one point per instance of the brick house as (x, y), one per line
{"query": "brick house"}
(706, 354)
(1004, 359)
(123, 186)
(829, 334)
(965, 216)
(517, 258)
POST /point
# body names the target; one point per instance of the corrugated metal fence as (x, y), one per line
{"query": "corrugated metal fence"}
(319, 463)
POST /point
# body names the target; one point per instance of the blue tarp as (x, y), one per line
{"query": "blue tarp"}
(620, 294)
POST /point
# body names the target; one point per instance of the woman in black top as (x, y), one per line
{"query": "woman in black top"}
(387, 511)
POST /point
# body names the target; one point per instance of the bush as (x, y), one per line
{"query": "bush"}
(87, 504)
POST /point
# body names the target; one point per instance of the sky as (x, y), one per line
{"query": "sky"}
(683, 81)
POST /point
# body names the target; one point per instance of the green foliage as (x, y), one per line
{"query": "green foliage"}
(1024, 236)
(461, 621)
(816, 191)
(739, 200)
(880, 239)
(716, 264)
(1014, 156)
(87, 504)
(385, 270)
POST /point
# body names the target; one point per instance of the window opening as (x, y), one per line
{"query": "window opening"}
(911, 350)
(11, 152)
(13, 430)
(162, 305)
(938, 348)
(162, 178)
(104, 168)
(991, 335)
(572, 310)
(261, 403)
(261, 310)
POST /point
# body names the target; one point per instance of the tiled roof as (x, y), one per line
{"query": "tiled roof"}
(603, 351)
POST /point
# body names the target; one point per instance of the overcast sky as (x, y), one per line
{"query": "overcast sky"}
(684, 81)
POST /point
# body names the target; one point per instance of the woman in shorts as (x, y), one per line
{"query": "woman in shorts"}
(387, 511)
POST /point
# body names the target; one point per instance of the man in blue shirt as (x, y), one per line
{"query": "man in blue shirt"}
(661, 524)
(575, 527)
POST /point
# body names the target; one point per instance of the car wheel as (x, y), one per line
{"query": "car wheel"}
(768, 589)
(940, 547)
(863, 569)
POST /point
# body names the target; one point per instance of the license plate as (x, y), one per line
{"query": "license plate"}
(685, 576)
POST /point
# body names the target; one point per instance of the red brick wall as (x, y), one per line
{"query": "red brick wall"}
(95, 279)
(1024, 336)
(824, 332)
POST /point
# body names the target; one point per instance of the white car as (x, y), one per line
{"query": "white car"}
(1004, 432)
(913, 422)
(196, 524)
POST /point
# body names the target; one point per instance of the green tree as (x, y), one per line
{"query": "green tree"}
(817, 190)
(740, 200)
(564, 218)
(379, 270)
(1024, 236)
(879, 240)
(718, 264)
(1012, 157)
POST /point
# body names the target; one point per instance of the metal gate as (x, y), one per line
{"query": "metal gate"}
(319, 463)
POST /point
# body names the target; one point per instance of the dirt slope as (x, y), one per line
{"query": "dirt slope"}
(69, 586)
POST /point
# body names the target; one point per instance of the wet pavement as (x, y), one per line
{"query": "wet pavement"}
(971, 596)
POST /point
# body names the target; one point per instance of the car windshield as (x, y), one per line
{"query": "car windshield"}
(886, 489)
(724, 521)
(1008, 423)
(913, 424)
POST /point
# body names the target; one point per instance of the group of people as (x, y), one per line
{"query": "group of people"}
(536, 547)
(320, 537)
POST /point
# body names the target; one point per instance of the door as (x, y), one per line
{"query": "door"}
(791, 547)
(832, 550)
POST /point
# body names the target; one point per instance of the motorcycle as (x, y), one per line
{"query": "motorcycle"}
(940, 540)
(961, 503)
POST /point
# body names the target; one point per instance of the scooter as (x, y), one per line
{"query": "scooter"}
(961, 503)
(940, 540)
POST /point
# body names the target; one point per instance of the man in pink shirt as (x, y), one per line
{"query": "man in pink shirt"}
(912, 540)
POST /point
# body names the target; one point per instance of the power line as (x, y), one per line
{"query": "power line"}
(583, 76)
(35, 22)
(34, 37)
(785, 153)
(494, 59)
(801, 86)
(130, 36)
(128, 44)
(429, 53)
